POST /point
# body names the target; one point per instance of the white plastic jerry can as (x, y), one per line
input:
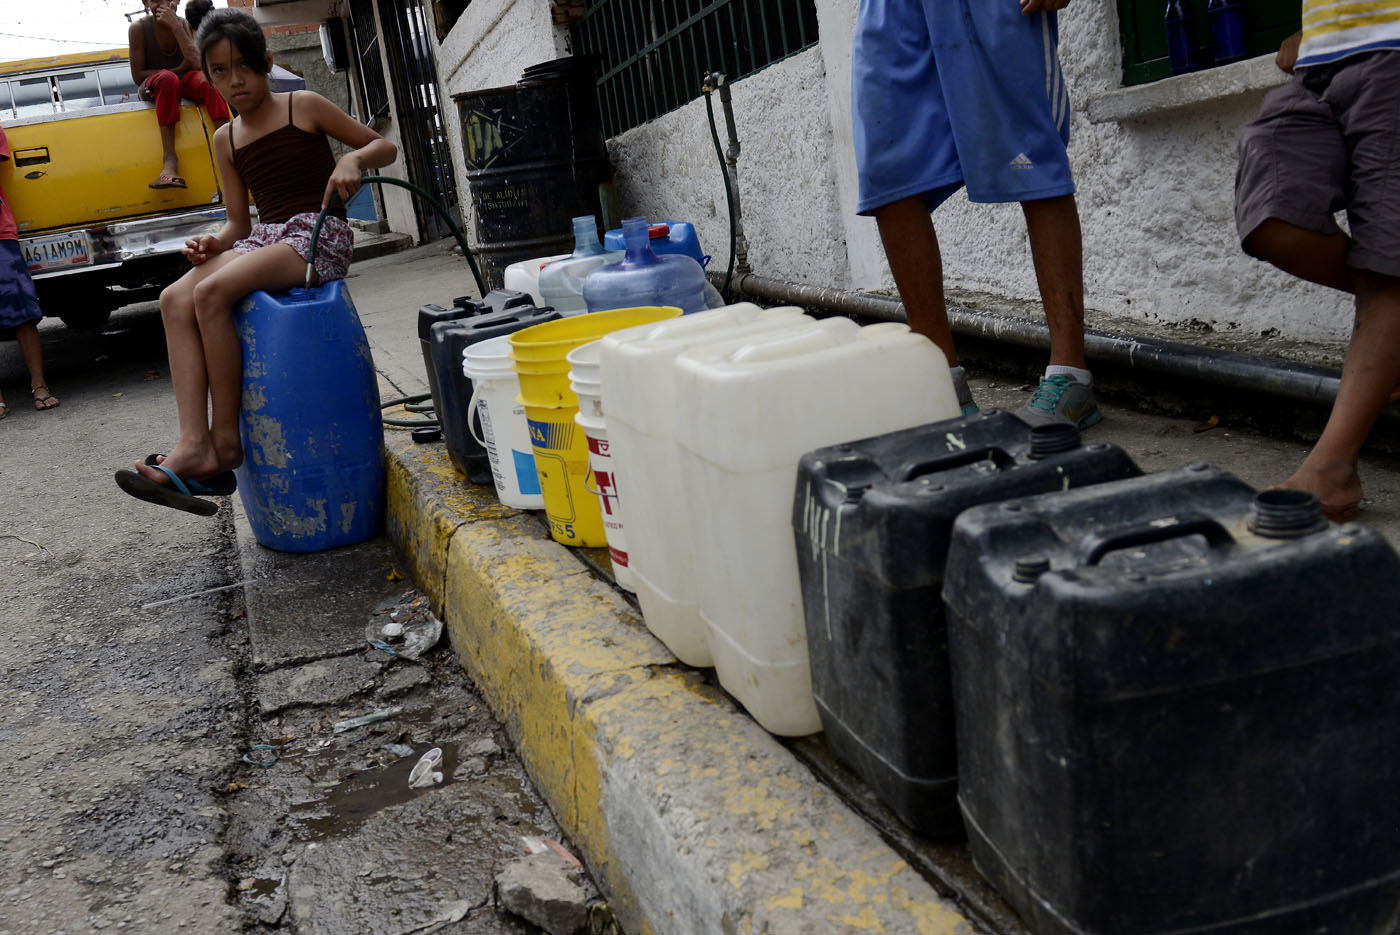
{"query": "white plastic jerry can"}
(638, 375)
(746, 411)
(524, 276)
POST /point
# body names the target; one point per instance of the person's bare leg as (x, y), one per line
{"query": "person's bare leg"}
(1310, 255)
(170, 164)
(192, 456)
(1058, 254)
(27, 335)
(272, 268)
(214, 445)
(1371, 371)
(911, 245)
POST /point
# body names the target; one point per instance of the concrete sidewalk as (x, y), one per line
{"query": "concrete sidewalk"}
(692, 818)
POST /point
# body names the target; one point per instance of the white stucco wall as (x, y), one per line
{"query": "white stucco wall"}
(1156, 201)
(668, 169)
(1155, 189)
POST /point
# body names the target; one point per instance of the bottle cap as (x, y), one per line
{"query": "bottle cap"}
(656, 231)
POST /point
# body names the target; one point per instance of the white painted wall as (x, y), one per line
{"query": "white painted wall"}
(1155, 190)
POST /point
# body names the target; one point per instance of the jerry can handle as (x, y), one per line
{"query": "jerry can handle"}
(1096, 546)
(992, 453)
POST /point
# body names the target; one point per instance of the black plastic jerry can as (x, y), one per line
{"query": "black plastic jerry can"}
(1177, 709)
(447, 341)
(462, 307)
(872, 520)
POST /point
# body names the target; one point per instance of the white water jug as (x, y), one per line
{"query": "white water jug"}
(638, 375)
(746, 412)
(524, 276)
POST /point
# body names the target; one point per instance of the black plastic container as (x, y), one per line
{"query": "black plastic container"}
(448, 340)
(872, 520)
(462, 307)
(1177, 709)
(535, 159)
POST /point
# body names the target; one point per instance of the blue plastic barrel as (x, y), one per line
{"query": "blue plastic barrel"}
(312, 476)
(641, 278)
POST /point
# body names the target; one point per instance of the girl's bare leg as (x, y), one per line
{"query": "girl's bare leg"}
(185, 351)
(27, 335)
(206, 358)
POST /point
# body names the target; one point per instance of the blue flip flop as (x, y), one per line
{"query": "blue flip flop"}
(221, 484)
(179, 494)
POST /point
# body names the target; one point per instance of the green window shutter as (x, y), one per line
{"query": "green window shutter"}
(1266, 23)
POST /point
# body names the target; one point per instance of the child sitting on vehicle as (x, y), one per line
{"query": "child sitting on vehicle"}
(278, 149)
(165, 66)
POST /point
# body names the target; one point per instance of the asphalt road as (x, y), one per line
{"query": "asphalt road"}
(120, 717)
(130, 696)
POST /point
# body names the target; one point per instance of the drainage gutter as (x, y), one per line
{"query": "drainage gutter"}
(1231, 369)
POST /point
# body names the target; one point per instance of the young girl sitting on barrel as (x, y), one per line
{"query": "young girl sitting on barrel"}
(277, 148)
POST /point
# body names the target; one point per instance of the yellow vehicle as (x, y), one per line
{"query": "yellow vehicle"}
(83, 148)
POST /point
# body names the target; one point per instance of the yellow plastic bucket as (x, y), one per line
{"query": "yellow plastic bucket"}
(561, 460)
(539, 354)
(549, 342)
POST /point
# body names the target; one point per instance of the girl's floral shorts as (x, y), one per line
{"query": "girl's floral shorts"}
(333, 245)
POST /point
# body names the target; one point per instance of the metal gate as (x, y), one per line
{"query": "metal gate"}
(408, 39)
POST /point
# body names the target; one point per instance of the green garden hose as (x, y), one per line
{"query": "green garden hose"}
(724, 170)
(436, 205)
(466, 251)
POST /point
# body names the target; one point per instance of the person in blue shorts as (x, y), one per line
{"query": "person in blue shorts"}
(949, 94)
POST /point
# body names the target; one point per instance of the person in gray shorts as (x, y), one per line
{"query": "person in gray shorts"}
(1325, 141)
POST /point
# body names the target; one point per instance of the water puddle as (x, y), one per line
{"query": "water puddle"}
(348, 803)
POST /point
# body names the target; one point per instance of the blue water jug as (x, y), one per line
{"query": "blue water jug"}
(643, 278)
(312, 476)
(561, 282)
(666, 237)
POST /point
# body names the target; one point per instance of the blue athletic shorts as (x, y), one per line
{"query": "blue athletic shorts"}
(947, 93)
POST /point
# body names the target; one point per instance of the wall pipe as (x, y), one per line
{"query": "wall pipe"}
(1287, 379)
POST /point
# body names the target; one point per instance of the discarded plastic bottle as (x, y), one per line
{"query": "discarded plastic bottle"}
(1227, 30)
(1181, 37)
(642, 278)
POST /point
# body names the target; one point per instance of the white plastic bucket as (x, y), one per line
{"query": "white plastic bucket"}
(583, 372)
(504, 432)
(637, 370)
(524, 276)
(746, 411)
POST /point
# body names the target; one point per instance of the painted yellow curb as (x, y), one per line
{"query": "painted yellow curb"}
(691, 817)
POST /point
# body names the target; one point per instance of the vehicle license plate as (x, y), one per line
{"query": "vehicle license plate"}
(57, 251)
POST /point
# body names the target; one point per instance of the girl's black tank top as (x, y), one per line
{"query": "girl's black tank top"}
(287, 171)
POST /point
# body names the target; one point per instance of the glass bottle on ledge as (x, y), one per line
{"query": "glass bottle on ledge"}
(1227, 30)
(1181, 37)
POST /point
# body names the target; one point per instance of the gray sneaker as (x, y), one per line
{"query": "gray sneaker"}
(1061, 399)
(969, 408)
